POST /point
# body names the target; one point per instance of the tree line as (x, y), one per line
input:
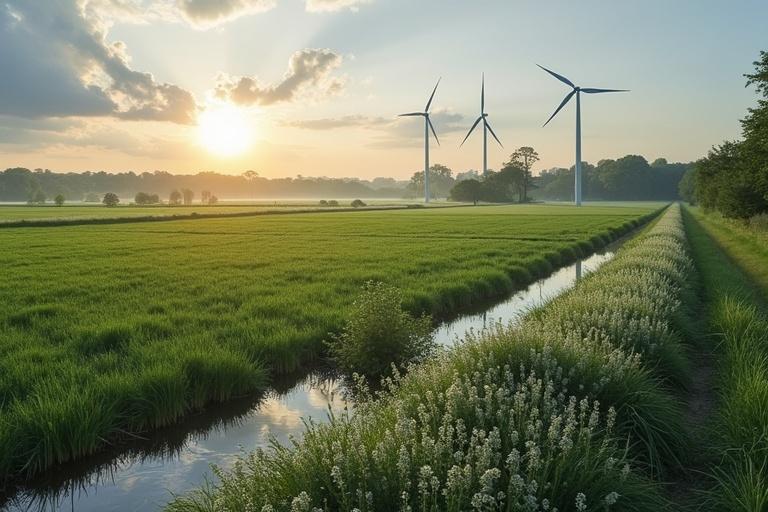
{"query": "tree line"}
(37, 186)
(733, 177)
(630, 178)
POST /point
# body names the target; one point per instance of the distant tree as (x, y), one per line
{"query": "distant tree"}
(188, 196)
(251, 176)
(333, 202)
(323, 202)
(205, 196)
(145, 198)
(175, 198)
(440, 182)
(110, 199)
(467, 191)
(59, 199)
(687, 186)
(91, 197)
(502, 186)
(524, 158)
(37, 197)
(213, 200)
(357, 203)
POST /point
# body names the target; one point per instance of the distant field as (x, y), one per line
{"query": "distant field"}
(12, 213)
(125, 327)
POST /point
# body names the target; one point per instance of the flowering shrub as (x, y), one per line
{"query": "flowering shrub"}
(565, 411)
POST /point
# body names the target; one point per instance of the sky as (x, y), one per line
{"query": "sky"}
(314, 87)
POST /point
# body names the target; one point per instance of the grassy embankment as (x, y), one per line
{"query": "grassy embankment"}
(117, 329)
(733, 263)
(575, 408)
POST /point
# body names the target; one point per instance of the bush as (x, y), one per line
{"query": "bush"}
(358, 203)
(333, 202)
(380, 333)
(323, 202)
(59, 200)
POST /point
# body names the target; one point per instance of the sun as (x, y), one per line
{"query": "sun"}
(224, 130)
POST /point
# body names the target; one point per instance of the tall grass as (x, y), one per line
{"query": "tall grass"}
(739, 324)
(568, 411)
(109, 331)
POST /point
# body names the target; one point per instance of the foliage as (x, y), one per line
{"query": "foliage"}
(110, 199)
(175, 198)
(16, 184)
(733, 178)
(440, 182)
(524, 158)
(550, 415)
(357, 203)
(187, 196)
(97, 349)
(379, 334)
(59, 199)
(469, 191)
(37, 197)
(143, 198)
(630, 178)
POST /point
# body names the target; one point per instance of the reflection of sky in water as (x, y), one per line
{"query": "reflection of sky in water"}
(516, 306)
(140, 484)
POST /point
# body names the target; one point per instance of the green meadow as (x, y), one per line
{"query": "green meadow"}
(113, 329)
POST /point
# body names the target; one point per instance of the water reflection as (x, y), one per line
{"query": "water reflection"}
(521, 302)
(176, 460)
(173, 461)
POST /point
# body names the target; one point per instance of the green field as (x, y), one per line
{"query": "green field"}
(113, 328)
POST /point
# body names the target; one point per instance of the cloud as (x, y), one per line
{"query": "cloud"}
(309, 71)
(333, 123)
(334, 5)
(207, 13)
(56, 62)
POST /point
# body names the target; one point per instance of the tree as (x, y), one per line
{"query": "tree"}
(110, 199)
(175, 198)
(501, 187)
(251, 176)
(205, 196)
(37, 197)
(467, 191)
(440, 182)
(524, 158)
(145, 198)
(91, 197)
(357, 203)
(188, 196)
(213, 200)
(59, 199)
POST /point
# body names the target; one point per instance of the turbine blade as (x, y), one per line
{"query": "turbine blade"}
(482, 96)
(591, 90)
(470, 130)
(412, 114)
(426, 109)
(487, 125)
(429, 121)
(559, 77)
(567, 98)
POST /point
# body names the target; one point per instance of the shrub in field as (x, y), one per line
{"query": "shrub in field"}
(566, 411)
(357, 203)
(380, 333)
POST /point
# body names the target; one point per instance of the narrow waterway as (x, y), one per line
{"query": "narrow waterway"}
(144, 476)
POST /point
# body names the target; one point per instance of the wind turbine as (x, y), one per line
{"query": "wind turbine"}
(577, 91)
(486, 128)
(427, 127)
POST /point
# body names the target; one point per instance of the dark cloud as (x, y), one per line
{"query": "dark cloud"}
(306, 68)
(57, 63)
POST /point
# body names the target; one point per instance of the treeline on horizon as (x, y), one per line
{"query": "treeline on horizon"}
(733, 178)
(625, 179)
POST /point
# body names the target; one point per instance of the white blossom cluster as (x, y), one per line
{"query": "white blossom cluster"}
(526, 418)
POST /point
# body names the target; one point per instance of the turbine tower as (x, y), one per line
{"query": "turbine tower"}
(486, 128)
(576, 91)
(427, 126)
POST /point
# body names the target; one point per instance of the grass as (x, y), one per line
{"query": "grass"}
(567, 410)
(116, 329)
(738, 322)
